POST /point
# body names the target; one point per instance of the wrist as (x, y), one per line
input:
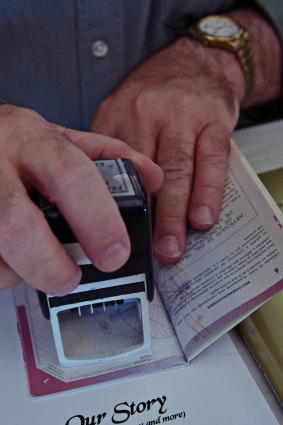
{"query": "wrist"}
(220, 63)
(266, 50)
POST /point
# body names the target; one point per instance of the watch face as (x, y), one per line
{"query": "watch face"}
(219, 26)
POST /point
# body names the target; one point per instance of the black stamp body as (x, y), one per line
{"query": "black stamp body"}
(126, 291)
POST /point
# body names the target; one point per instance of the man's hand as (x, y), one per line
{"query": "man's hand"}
(179, 108)
(180, 112)
(56, 161)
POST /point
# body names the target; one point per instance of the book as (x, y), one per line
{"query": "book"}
(262, 331)
(226, 273)
(215, 388)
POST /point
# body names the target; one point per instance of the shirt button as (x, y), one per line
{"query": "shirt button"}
(99, 48)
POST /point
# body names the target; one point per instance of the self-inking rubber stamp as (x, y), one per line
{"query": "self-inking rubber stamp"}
(130, 286)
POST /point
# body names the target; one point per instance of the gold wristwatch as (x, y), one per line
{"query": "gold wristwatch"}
(223, 32)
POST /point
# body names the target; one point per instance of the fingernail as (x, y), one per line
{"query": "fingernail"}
(203, 215)
(70, 285)
(113, 257)
(168, 246)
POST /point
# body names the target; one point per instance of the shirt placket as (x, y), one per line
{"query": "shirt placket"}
(99, 52)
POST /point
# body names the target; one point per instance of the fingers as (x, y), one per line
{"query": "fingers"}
(193, 155)
(195, 173)
(27, 246)
(212, 152)
(176, 157)
(99, 146)
(69, 179)
(194, 167)
(36, 154)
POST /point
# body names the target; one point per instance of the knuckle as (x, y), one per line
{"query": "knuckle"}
(58, 142)
(28, 114)
(215, 151)
(220, 144)
(7, 110)
(173, 173)
(177, 164)
(17, 214)
(15, 226)
(143, 101)
(25, 116)
(11, 225)
(19, 126)
(216, 159)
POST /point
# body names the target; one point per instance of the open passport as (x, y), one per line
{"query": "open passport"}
(227, 272)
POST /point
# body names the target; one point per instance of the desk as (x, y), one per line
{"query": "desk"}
(257, 374)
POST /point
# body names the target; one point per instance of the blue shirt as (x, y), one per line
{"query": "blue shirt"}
(62, 57)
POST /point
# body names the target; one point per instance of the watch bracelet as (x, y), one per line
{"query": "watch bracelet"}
(246, 60)
(243, 53)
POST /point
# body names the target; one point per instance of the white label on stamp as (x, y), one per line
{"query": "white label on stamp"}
(115, 175)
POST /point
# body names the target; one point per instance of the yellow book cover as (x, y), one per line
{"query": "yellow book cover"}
(263, 330)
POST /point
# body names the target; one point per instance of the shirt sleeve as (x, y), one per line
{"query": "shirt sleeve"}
(274, 10)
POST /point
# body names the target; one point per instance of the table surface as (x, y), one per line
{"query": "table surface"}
(257, 375)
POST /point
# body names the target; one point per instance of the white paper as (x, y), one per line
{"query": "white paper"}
(215, 389)
(262, 145)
